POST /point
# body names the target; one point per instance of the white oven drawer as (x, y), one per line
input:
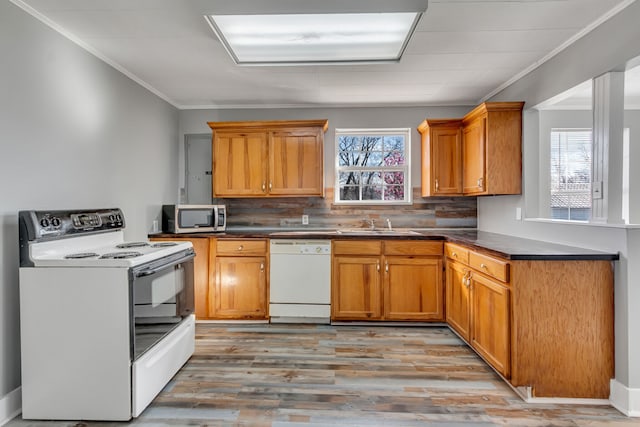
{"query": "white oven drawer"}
(157, 366)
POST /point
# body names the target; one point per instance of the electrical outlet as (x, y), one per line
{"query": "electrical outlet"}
(518, 214)
(305, 219)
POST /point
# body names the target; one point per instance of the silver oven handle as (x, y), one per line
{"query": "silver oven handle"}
(176, 264)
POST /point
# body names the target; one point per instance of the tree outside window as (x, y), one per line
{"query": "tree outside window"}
(373, 166)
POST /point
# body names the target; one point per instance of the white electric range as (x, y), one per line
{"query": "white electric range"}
(105, 323)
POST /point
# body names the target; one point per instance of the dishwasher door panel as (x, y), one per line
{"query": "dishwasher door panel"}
(300, 279)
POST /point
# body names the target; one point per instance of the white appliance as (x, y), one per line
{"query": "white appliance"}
(300, 281)
(105, 323)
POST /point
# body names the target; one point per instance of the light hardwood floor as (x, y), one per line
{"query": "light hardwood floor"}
(304, 375)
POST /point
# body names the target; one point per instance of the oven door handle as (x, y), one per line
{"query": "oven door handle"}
(151, 271)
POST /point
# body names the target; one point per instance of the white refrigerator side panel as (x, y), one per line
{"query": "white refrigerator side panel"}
(75, 343)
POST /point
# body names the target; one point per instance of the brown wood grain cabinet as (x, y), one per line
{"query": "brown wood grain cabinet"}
(479, 154)
(387, 280)
(240, 279)
(441, 157)
(200, 272)
(268, 158)
(544, 325)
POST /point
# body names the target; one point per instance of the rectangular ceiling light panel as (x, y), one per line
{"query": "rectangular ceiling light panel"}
(314, 38)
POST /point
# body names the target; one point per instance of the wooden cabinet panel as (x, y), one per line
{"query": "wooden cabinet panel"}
(296, 163)
(490, 266)
(412, 247)
(357, 247)
(268, 158)
(490, 322)
(456, 252)
(458, 305)
(413, 288)
(441, 157)
(241, 288)
(473, 156)
(234, 247)
(239, 164)
(355, 288)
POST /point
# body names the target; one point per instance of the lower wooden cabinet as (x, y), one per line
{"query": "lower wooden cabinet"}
(545, 325)
(200, 270)
(387, 280)
(490, 322)
(240, 283)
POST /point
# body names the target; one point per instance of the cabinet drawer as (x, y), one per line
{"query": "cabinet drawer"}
(456, 252)
(491, 266)
(412, 247)
(357, 247)
(241, 247)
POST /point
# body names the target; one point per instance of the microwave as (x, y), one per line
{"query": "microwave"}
(194, 218)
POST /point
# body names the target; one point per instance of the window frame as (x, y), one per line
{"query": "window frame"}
(406, 168)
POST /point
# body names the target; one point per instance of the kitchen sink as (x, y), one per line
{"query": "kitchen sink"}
(377, 232)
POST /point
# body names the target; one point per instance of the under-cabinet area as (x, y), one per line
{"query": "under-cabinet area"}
(542, 317)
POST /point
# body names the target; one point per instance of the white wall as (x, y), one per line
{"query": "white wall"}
(606, 48)
(74, 133)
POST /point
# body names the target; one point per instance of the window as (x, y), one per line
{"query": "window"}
(372, 166)
(570, 178)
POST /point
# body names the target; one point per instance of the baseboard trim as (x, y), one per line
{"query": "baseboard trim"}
(625, 399)
(10, 406)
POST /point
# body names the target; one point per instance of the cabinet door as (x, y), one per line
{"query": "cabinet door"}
(355, 288)
(458, 304)
(446, 166)
(413, 288)
(241, 288)
(473, 157)
(239, 164)
(490, 322)
(296, 162)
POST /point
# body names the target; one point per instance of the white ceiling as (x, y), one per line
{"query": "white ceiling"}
(463, 52)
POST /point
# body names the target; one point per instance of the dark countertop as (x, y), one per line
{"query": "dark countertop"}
(509, 247)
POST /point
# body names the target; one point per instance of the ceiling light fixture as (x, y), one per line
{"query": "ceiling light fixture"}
(320, 37)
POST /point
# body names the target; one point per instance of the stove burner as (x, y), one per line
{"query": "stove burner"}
(120, 255)
(129, 245)
(163, 244)
(81, 255)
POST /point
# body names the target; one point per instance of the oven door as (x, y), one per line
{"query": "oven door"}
(162, 296)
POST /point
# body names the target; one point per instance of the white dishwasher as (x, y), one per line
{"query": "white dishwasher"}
(300, 281)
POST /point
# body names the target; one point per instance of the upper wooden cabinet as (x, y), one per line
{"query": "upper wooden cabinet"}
(441, 157)
(480, 154)
(268, 158)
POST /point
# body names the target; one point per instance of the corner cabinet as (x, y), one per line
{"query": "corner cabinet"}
(268, 158)
(387, 280)
(545, 325)
(479, 154)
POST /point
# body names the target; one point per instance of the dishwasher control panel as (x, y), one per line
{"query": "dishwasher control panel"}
(302, 247)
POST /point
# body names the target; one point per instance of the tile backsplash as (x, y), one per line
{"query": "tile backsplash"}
(431, 212)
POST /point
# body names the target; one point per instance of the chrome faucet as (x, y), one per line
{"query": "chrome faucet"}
(389, 224)
(372, 223)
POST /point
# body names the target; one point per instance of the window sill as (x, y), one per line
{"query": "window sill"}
(582, 223)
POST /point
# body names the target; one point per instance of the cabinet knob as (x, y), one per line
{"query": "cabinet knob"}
(262, 267)
(241, 247)
(270, 185)
(264, 186)
(483, 266)
(454, 254)
(386, 267)
(378, 266)
(437, 185)
(480, 183)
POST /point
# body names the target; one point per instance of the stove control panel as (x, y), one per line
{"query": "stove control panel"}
(47, 225)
